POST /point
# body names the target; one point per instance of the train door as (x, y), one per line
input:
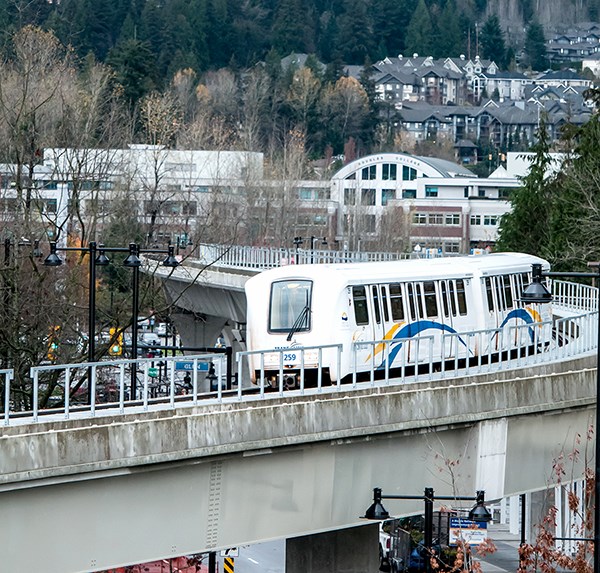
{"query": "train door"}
(446, 317)
(363, 316)
(377, 298)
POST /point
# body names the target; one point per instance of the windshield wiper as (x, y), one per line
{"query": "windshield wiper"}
(298, 322)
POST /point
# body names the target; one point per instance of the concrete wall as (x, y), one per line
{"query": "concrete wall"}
(352, 550)
(211, 477)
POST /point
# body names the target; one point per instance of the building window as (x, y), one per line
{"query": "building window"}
(349, 197)
(370, 223)
(431, 191)
(420, 218)
(190, 208)
(452, 247)
(51, 205)
(368, 197)
(352, 176)
(389, 172)
(408, 173)
(436, 219)
(490, 220)
(409, 193)
(475, 219)
(369, 173)
(453, 219)
(481, 192)
(387, 195)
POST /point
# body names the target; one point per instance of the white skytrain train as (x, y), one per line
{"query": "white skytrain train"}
(434, 311)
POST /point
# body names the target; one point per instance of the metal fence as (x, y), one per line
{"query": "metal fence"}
(67, 391)
(261, 258)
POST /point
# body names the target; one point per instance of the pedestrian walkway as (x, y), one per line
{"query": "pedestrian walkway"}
(506, 556)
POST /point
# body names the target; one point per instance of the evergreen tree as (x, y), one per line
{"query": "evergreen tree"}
(491, 41)
(450, 38)
(292, 27)
(577, 221)
(218, 33)
(355, 39)
(527, 227)
(535, 47)
(420, 31)
(133, 63)
(391, 19)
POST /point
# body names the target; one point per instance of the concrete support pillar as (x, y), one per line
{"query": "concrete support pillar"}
(198, 329)
(353, 550)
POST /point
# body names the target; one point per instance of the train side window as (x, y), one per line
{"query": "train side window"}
(452, 294)
(508, 297)
(410, 295)
(431, 306)
(396, 302)
(361, 314)
(490, 296)
(444, 294)
(518, 286)
(384, 303)
(460, 295)
(499, 292)
(376, 308)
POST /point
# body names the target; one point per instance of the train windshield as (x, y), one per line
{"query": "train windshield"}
(289, 309)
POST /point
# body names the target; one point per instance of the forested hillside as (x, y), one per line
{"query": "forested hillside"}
(210, 72)
(162, 37)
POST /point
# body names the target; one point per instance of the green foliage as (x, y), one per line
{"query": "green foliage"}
(527, 227)
(450, 37)
(134, 69)
(491, 40)
(355, 40)
(419, 34)
(535, 47)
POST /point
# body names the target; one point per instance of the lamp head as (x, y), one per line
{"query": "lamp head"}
(170, 261)
(536, 292)
(479, 512)
(376, 509)
(102, 260)
(132, 259)
(52, 260)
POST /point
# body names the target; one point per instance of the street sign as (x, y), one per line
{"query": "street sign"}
(153, 372)
(231, 552)
(188, 365)
(466, 530)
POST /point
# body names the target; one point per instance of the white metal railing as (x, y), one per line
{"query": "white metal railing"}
(7, 374)
(63, 391)
(574, 296)
(67, 391)
(240, 256)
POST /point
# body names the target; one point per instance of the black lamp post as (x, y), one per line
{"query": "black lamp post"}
(97, 257)
(478, 513)
(537, 292)
(300, 240)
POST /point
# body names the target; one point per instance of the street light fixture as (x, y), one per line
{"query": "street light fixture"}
(98, 257)
(536, 292)
(478, 512)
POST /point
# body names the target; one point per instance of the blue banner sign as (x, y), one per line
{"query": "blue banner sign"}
(188, 366)
(466, 530)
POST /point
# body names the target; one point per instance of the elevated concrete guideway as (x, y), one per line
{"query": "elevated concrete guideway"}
(109, 491)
